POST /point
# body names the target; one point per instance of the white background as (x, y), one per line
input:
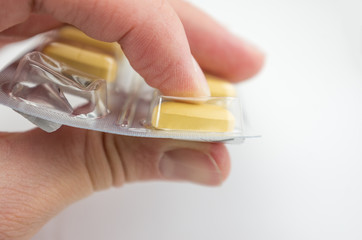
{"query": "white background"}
(301, 180)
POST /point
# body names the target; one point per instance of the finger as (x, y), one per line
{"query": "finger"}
(42, 173)
(36, 23)
(4, 42)
(149, 32)
(217, 50)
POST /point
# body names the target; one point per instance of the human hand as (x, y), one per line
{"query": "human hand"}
(41, 173)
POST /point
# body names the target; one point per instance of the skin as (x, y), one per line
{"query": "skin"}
(41, 173)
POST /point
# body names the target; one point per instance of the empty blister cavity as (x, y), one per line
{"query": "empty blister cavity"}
(43, 82)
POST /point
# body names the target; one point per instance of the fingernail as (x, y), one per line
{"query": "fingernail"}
(200, 80)
(190, 165)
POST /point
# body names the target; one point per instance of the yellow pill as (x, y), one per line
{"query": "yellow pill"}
(72, 34)
(97, 64)
(192, 117)
(220, 88)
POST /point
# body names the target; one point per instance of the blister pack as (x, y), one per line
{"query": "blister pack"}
(67, 78)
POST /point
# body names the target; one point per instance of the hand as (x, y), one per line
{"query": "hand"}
(41, 173)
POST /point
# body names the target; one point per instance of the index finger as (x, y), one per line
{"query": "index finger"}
(150, 33)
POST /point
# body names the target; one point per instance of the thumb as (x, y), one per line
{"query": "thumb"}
(43, 173)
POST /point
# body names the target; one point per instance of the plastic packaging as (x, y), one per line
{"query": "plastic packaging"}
(71, 79)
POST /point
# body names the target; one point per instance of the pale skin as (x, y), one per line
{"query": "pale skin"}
(41, 173)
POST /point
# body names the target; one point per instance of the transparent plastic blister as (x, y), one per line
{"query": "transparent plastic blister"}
(70, 79)
(45, 83)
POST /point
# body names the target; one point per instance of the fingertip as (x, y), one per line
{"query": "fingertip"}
(217, 50)
(220, 154)
(248, 60)
(241, 60)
